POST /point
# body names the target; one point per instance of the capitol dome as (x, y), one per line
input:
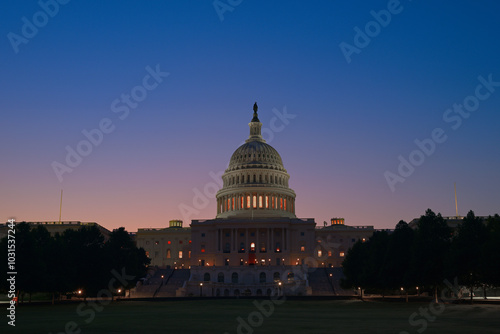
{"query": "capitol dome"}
(255, 184)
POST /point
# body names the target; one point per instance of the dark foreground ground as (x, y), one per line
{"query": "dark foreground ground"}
(243, 316)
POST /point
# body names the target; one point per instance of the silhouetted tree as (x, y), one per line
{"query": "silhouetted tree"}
(490, 261)
(430, 251)
(466, 251)
(396, 271)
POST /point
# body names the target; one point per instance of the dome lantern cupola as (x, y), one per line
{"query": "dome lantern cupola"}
(255, 127)
(255, 184)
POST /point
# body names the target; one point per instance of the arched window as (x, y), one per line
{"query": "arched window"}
(206, 277)
(262, 277)
(290, 276)
(169, 254)
(276, 276)
(254, 178)
(220, 278)
(234, 278)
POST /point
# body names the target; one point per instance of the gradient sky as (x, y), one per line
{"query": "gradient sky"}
(352, 120)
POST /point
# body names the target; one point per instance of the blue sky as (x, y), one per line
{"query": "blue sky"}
(351, 121)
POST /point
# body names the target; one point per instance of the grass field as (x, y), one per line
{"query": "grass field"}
(221, 316)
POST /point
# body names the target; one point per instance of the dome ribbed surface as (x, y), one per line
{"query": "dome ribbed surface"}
(255, 154)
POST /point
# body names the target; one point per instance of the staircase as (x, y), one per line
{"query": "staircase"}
(319, 282)
(175, 281)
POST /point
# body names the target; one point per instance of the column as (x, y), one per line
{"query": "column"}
(268, 248)
(282, 239)
(246, 241)
(288, 239)
(257, 245)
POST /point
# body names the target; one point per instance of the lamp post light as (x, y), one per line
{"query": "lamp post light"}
(201, 289)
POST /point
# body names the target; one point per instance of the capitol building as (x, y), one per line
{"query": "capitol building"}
(256, 245)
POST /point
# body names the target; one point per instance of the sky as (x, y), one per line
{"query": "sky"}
(134, 108)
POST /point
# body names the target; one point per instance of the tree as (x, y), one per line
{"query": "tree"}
(124, 255)
(396, 270)
(431, 246)
(466, 252)
(490, 261)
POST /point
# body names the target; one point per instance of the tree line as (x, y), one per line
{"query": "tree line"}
(429, 257)
(75, 260)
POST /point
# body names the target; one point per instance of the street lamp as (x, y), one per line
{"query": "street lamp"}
(201, 289)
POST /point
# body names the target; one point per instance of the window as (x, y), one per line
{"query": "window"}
(301, 234)
(203, 235)
(189, 254)
(252, 234)
(252, 247)
(169, 255)
(227, 248)
(206, 277)
(302, 248)
(342, 254)
(276, 276)
(254, 201)
(262, 277)
(242, 248)
(330, 253)
(267, 202)
(278, 247)
(260, 201)
(203, 248)
(180, 254)
(157, 242)
(248, 202)
(220, 278)
(353, 240)
(147, 254)
(234, 278)
(320, 253)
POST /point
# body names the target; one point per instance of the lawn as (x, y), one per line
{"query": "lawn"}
(243, 316)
